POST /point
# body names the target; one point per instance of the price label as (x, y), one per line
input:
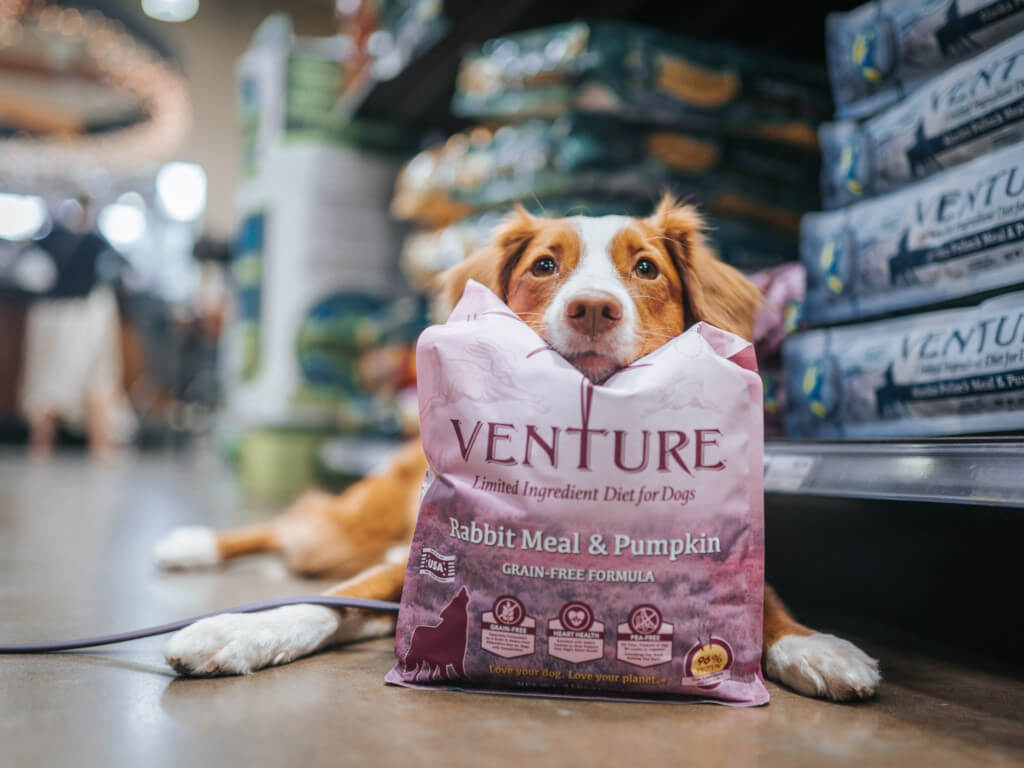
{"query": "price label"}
(787, 472)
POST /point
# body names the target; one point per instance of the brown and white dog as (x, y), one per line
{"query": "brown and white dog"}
(603, 292)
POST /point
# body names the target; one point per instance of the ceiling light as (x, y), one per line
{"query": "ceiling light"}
(181, 190)
(122, 224)
(21, 216)
(170, 10)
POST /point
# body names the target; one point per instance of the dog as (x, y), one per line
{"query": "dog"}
(601, 291)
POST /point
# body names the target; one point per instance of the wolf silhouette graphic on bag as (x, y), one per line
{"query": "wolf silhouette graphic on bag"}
(887, 398)
(436, 648)
(921, 155)
(903, 263)
(954, 37)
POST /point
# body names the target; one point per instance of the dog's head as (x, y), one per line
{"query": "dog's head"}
(606, 291)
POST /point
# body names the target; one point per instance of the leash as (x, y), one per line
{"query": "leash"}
(381, 606)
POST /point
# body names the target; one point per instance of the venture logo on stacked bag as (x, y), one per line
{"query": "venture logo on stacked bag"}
(880, 51)
(953, 235)
(939, 373)
(969, 110)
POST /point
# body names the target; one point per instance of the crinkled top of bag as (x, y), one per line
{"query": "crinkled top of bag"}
(487, 362)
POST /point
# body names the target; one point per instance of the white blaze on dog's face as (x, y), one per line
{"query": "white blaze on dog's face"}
(606, 291)
(592, 319)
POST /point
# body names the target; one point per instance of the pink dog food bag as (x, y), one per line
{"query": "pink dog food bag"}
(579, 539)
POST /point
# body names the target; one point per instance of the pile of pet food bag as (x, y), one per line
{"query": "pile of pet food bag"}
(600, 118)
(915, 269)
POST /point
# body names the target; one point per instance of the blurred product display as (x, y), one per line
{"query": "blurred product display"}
(320, 339)
(641, 73)
(578, 156)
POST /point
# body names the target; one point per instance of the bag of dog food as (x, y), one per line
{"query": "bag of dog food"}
(940, 373)
(580, 539)
(779, 315)
(588, 156)
(968, 111)
(953, 235)
(883, 50)
(632, 71)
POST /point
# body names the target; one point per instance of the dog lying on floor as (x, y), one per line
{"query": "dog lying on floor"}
(601, 291)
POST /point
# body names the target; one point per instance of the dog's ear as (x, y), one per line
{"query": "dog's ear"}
(712, 291)
(491, 266)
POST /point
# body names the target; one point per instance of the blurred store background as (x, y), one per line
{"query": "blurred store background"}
(219, 221)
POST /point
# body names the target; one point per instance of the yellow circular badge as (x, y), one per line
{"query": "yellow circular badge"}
(710, 658)
(707, 663)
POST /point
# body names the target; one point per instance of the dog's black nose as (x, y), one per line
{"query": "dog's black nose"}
(593, 312)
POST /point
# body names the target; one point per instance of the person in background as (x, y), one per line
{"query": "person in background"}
(72, 370)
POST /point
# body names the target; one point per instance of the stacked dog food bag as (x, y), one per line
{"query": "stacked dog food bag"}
(599, 118)
(318, 309)
(915, 274)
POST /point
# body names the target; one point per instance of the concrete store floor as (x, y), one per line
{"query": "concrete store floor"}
(74, 561)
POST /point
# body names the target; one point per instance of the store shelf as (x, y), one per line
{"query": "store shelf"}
(965, 471)
(358, 456)
(421, 93)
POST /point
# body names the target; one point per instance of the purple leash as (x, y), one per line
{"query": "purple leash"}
(382, 606)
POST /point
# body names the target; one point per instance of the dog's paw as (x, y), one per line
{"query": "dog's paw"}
(191, 546)
(824, 666)
(240, 643)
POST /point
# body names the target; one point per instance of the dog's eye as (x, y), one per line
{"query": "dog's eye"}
(645, 268)
(544, 267)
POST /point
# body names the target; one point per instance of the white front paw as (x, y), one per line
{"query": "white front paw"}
(190, 546)
(240, 643)
(822, 665)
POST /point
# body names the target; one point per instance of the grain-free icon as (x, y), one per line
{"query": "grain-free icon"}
(506, 629)
(575, 636)
(644, 639)
(509, 611)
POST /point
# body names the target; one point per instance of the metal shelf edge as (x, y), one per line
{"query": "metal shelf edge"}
(971, 471)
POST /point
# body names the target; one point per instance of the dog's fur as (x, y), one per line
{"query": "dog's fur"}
(582, 284)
